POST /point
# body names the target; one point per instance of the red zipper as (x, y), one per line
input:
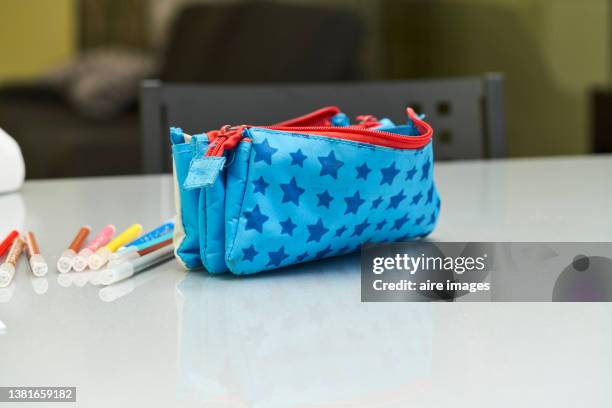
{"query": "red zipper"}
(321, 117)
(228, 137)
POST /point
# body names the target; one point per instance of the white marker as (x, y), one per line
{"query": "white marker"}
(37, 262)
(126, 269)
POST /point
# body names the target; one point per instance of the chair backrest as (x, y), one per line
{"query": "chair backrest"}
(467, 113)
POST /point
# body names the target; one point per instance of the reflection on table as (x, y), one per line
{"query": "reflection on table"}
(298, 337)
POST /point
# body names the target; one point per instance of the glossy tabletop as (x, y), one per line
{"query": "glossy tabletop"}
(301, 337)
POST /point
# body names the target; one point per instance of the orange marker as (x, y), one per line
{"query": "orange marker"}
(37, 262)
(64, 264)
(7, 269)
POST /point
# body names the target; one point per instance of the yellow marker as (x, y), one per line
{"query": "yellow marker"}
(100, 257)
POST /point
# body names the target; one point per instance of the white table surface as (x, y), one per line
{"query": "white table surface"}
(302, 338)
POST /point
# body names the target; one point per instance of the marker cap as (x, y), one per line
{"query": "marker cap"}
(7, 271)
(80, 261)
(97, 260)
(38, 265)
(64, 263)
(117, 273)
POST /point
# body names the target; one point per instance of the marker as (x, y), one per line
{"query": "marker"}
(7, 269)
(129, 251)
(8, 241)
(132, 252)
(155, 247)
(37, 262)
(103, 237)
(64, 264)
(127, 269)
(97, 260)
(162, 230)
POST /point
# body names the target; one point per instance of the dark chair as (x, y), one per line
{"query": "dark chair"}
(601, 120)
(466, 113)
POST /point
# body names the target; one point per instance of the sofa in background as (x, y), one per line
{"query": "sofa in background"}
(70, 125)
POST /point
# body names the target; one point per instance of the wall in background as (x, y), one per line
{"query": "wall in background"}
(550, 51)
(35, 36)
(162, 13)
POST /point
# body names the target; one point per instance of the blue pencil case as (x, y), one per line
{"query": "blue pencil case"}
(199, 232)
(268, 197)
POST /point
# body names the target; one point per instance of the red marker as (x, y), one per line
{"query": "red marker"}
(8, 241)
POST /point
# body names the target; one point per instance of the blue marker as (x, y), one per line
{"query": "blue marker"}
(148, 244)
(151, 235)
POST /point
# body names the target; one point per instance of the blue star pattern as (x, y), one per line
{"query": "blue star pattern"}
(317, 231)
(377, 202)
(255, 219)
(324, 252)
(297, 158)
(388, 174)
(329, 165)
(248, 254)
(340, 231)
(432, 218)
(260, 185)
(277, 257)
(359, 228)
(425, 169)
(416, 198)
(430, 194)
(301, 257)
(395, 200)
(287, 226)
(399, 223)
(313, 198)
(353, 203)
(363, 171)
(264, 152)
(292, 192)
(410, 173)
(324, 199)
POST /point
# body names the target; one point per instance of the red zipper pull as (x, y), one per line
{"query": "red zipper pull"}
(226, 138)
(205, 170)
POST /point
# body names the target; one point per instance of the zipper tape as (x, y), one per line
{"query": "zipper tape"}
(203, 171)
